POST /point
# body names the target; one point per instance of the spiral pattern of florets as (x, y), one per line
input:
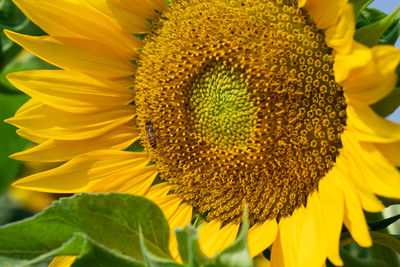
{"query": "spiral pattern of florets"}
(221, 107)
(244, 105)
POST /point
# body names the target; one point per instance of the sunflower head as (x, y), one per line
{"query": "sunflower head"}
(244, 105)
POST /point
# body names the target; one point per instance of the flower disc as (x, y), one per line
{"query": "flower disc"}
(243, 106)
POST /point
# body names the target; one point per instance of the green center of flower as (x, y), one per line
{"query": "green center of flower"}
(221, 107)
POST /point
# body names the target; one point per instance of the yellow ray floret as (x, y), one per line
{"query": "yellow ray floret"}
(70, 91)
(85, 171)
(63, 150)
(65, 18)
(83, 55)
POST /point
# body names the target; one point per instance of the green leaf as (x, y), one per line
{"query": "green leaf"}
(381, 224)
(9, 262)
(375, 255)
(20, 62)
(93, 254)
(359, 6)
(135, 147)
(189, 248)
(398, 74)
(237, 254)
(353, 261)
(89, 254)
(11, 143)
(182, 236)
(109, 220)
(72, 246)
(389, 201)
(152, 260)
(370, 35)
(140, 36)
(388, 104)
(369, 16)
(386, 240)
(10, 16)
(392, 34)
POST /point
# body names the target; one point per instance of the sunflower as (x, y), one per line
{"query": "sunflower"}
(262, 103)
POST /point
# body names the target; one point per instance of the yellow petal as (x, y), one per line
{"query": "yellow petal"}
(168, 204)
(359, 56)
(182, 217)
(391, 151)
(177, 214)
(51, 123)
(158, 190)
(65, 18)
(83, 172)
(285, 246)
(137, 183)
(62, 261)
(370, 202)
(207, 235)
(277, 257)
(301, 3)
(370, 127)
(157, 4)
(303, 237)
(261, 236)
(340, 37)
(325, 13)
(382, 177)
(69, 91)
(353, 216)
(332, 207)
(64, 150)
(135, 23)
(80, 55)
(28, 105)
(31, 137)
(372, 82)
(261, 261)
(348, 167)
(139, 8)
(214, 239)
(312, 234)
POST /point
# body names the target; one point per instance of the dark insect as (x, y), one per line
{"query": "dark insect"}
(150, 134)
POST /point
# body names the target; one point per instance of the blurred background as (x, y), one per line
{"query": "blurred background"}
(13, 204)
(16, 204)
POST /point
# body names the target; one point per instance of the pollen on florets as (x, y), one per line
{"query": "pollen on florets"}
(243, 103)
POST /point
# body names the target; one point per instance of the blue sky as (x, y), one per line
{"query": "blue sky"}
(388, 6)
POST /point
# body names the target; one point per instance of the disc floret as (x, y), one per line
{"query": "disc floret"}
(244, 102)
